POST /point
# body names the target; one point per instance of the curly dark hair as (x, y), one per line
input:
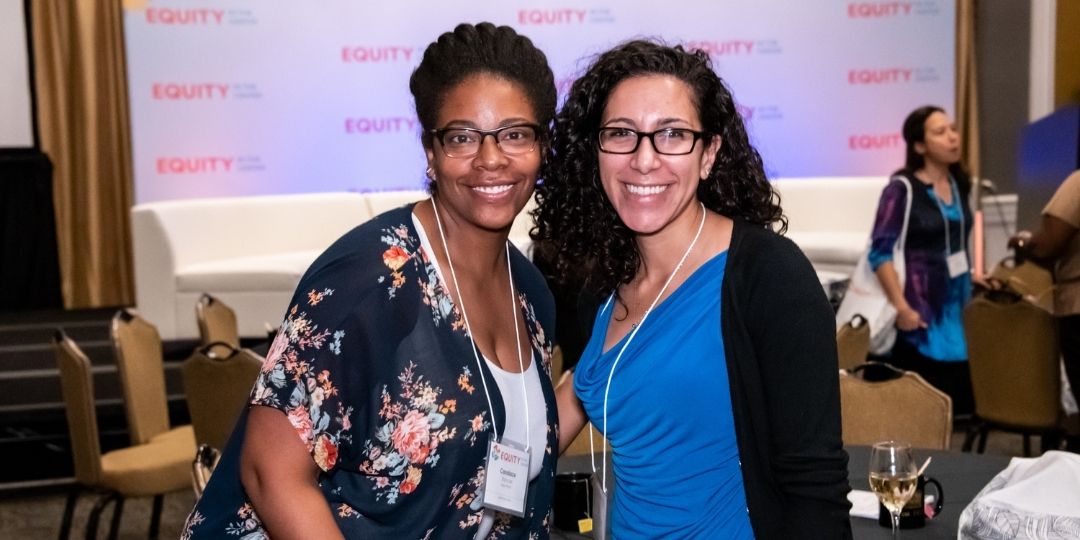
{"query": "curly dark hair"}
(914, 131)
(579, 236)
(481, 49)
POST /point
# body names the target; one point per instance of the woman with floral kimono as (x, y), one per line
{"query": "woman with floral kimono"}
(415, 339)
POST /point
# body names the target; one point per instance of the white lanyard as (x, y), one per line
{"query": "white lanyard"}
(633, 332)
(944, 217)
(468, 330)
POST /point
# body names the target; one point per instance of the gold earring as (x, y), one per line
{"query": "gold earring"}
(430, 172)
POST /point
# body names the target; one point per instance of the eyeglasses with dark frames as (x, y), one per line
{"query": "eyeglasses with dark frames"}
(667, 141)
(462, 142)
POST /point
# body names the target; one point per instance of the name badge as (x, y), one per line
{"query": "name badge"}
(958, 264)
(506, 483)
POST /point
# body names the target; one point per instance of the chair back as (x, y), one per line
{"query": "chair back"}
(853, 342)
(78, 388)
(1027, 279)
(906, 408)
(142, 375)
(217, 389)
(217, 322)
(1014, 359)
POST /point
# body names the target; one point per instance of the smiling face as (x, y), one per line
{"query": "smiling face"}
(486, 190)
(652, 191)
(942, 142)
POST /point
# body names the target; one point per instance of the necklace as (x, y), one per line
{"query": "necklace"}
(468, 329)
(633, 332)
(678, 266)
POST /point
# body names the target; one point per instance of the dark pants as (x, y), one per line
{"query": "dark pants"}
(953, 378)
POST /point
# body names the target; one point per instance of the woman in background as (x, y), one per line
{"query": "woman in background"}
(415, 339)
(712, 364)
(937, 277)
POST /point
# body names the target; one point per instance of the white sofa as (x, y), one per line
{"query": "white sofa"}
(248, 251)
(251, 251)
(830, 218)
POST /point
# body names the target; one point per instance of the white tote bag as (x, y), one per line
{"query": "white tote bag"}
(865, 296)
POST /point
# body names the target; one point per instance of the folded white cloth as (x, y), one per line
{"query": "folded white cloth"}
(1033, 498)
(864, 503)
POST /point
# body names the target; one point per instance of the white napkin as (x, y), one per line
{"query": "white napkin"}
(864, 503)
(1037, 498)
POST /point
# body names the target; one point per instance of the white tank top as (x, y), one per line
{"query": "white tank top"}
(510, 389)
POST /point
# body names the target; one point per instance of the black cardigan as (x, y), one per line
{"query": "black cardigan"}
(780, 342)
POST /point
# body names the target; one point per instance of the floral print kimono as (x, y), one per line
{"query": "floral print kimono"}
(374, 369)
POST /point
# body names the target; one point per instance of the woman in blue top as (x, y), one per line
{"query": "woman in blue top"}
(415, 339)
(937, 278)
(712, 365)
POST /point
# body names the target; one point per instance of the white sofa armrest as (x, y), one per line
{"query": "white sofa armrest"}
(155, 270)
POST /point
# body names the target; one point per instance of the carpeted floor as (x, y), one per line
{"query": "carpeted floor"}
(37, 515)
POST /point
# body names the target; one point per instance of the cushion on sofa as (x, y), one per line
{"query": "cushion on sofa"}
(280, 272)
(830, 246)
(830, 218)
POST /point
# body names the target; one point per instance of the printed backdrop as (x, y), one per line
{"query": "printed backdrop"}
(234, 97)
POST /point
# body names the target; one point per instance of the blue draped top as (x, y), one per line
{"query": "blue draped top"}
(670, 424)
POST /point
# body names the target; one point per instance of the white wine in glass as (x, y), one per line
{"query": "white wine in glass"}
(893, 490)
(893, 477)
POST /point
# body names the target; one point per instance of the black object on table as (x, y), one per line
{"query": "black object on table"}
(963, 475)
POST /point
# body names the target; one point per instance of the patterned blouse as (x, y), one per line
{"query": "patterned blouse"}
(938, 298)
(374, 369)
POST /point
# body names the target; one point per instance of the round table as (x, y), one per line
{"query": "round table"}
(961, 474)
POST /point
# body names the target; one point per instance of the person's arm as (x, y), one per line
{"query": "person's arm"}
(888, 225)
(572, 416)
(279, 477)
(907, 319)
(793, 333)
(1047, 243)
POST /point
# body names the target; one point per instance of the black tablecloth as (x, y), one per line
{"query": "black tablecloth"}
(961, 475)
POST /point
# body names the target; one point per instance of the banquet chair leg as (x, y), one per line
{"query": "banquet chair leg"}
(155, 516)
(984, 431)
(95, 515)
(118, 509)
(1049, 440)
(69, 511)
(969, 437)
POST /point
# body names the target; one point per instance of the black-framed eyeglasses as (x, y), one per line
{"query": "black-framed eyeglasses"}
(667, 141)
(460, 142)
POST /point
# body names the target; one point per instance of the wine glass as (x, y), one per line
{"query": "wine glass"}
(893, 477)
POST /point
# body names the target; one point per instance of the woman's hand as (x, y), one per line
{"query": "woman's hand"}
(908, 319)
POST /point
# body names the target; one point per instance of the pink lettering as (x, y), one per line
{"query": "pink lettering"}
(193, 165)
(172, 16)
(874, 142)
(879, 76)
(189, 91)
(720, 48)
(551, 16)
(376, 54)
(870, 10)
(393, 124)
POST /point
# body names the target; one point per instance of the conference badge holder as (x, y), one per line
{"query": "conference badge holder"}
(958, 264)
(506, 483)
